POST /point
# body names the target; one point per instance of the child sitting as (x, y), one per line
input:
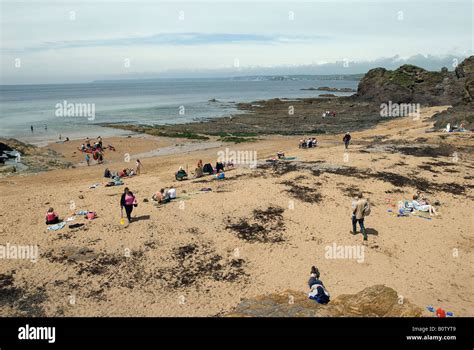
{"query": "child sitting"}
(51, 217)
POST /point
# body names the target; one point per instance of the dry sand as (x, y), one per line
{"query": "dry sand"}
(184, 262)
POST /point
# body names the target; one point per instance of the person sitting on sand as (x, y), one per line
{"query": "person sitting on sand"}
(280, 155)
(423, 207)
(159, 196)
(198, 172)
(170, 194)
(229, 165)
(219, 167)
(422, 199)
(181, 174)
(127, 202)
(51, 217)
(317, 291)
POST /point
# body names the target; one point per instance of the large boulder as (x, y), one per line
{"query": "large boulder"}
(374, 301)
(411, 84)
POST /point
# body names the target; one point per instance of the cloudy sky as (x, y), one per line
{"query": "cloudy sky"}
(71, 41)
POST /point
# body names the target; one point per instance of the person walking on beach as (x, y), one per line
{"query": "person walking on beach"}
(346, 139)
(127, 202)
(361, 208)
(88, 159)
(31, 127)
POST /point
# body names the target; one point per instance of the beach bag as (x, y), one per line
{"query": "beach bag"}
(90, 215)
(367, 209)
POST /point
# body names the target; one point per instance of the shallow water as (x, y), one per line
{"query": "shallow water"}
(137, 102)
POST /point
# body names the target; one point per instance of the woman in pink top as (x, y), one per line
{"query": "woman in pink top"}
(128, 201)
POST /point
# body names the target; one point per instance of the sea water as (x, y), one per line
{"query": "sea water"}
(167, 101)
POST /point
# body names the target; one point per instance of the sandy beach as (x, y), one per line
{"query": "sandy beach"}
(187, 258)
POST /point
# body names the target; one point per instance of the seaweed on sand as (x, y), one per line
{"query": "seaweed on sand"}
(265, 226)
(193, 263)
(23, 301)
(303, 193)
(443, 150)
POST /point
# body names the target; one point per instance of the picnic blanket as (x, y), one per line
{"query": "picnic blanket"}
(57, 226)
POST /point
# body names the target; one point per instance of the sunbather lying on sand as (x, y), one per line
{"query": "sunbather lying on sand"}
(423, 207)
(317, 290)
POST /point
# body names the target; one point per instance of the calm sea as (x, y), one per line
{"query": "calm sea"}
(143, 102)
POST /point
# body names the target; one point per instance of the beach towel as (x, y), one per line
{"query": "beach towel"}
(289, 158)
(57, 226)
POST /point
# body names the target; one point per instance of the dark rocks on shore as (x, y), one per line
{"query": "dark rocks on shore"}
(330, 89)
(32, 159)
(407, 84)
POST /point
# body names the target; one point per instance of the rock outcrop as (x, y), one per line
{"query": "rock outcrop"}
(32, 158)
(374, 301)
(463, 110)
(411, 84)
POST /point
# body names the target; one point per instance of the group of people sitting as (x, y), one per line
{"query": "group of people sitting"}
(308, 143)
(329, 114)
(87, 147)
(205, 169)
(454, 128)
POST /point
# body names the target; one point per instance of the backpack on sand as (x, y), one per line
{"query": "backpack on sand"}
(367, 209)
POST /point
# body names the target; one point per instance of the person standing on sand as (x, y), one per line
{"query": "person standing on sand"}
(346, 139)
(361, 209)
(88, 159)
(127, 202)
(31, 127)
(138, 166)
